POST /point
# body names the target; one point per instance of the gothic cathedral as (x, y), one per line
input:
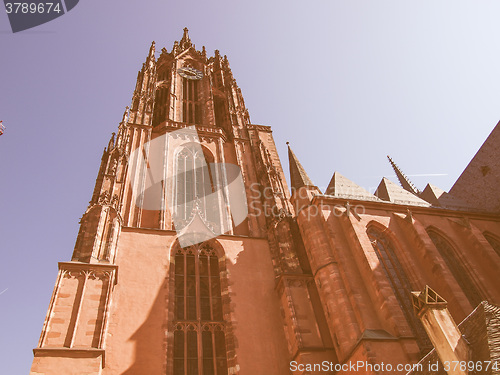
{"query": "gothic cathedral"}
(195, 257)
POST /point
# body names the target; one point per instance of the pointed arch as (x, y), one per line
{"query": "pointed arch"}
(447, 250)
(199, 329)
(386, 251)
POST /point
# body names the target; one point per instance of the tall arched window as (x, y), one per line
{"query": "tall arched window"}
(194, 183)
(199, 328)
(399, 282)
(493, 241)
(456, 268)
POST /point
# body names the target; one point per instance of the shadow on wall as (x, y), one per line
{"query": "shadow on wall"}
(248, 295)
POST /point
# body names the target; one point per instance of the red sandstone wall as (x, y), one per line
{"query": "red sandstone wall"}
(136, 336)
(356, 292)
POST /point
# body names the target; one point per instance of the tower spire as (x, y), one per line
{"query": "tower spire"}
(403, 180)
(298, 175)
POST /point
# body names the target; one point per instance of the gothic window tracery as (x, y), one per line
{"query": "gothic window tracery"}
(194, 182)
(199, 328)
(456, 268)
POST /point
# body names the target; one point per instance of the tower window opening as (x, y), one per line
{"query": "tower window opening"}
(220, 111)
(191, 108)
(160, 106)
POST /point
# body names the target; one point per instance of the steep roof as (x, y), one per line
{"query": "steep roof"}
(342, 187)
(438, 197)
(391, 192)
(478, 184)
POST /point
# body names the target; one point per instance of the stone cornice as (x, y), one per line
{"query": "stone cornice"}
(402, 208)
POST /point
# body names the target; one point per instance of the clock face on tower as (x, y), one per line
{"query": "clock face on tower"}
(190, 73)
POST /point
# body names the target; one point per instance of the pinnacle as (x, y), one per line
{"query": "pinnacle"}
(403, 180)
(152, 49)
(185, 41)
(298, 175)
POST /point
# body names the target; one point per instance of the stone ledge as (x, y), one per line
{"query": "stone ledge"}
(71, 352)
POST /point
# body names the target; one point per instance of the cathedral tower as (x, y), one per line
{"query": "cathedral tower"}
(195, 258)
(167, 275)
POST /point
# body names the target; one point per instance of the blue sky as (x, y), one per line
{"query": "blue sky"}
(346, 83)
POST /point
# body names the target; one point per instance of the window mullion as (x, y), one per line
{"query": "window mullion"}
(203, 186)
(190, 100)
(184, 178)
(197, 273)
(185, 350)
(191, 112)
(210, 289)
(185, 287)
(214, 353)
(198, 311)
